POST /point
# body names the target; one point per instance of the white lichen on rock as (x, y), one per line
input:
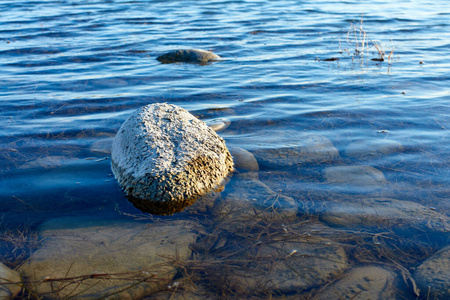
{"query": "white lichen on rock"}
(164, 154)
(189, 56)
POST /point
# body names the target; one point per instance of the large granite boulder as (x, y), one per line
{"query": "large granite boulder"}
(164, 158)
(95, 258)
(189, 56)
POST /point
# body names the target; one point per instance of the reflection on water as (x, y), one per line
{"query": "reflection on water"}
(352, 172)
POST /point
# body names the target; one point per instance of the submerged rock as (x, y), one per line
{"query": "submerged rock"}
(356, 178)
(47, 162)
(366, 149)
(10, 283)
(244, 160)
(365, 283)
(290, 260)
(103, 143)
(218, 124)
(91, 258)
(383, 213)
(433, 276)
(184, 290)
(164, 157)
(189, 56)
(250, 199)
(313, 149)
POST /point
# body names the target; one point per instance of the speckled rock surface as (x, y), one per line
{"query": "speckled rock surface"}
(164, 154)
(434, 274)
(8, 276)
(188, 55)
(92, 258)
(363, 283)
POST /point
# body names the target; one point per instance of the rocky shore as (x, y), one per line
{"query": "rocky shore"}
(253, 240)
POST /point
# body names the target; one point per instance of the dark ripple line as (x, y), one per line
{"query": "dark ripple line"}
(30, 50)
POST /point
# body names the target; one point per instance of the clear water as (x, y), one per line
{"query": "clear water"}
(73, 71)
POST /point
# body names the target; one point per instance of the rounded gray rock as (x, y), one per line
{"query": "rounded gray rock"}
(433, 275)
(288, 262)
(385, 213)
(10, 283)
(365, 149)
(218, 124)
(249, 199)
(162, 154)
(356, 178)
(244, 160)
(189, 56)
(368, 282)
(310, 149)
(110, 258)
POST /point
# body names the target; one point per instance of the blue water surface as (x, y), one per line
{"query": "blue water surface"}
(73, 71)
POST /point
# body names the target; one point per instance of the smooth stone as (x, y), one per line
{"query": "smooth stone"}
(218, 124)
(163, 155)
(313, 149)
(189, 56)
(356, 177)
(48, 162)
(433, 276)
(248, 199)
(244, 160)
(117, 259)
(283, 263)
(364, 283)
(184, 290)
(218, 113)
(203, 204)
(365, 149)
(246, 175)
(10, 283)
(102, 145)
(384, 213)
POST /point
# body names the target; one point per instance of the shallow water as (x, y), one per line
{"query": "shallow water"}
(73, 71)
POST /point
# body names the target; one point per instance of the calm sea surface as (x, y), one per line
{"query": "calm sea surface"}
(73, 71)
